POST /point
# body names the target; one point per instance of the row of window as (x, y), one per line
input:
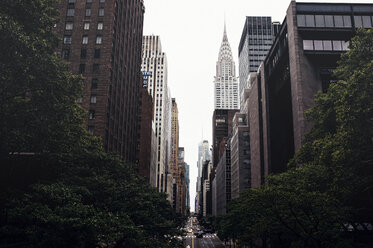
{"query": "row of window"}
(95, 68)
(83, 53)
(325, 45)
(67, 39)
(93, 99)
(333, 21)
(88, 12)
(86, 26)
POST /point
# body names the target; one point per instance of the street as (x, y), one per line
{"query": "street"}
(196, 238)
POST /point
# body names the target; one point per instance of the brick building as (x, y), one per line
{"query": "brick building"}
(101, 40)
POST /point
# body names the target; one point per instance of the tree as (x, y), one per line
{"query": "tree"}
(38, 95)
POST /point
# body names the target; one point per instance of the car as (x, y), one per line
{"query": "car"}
(200, 235)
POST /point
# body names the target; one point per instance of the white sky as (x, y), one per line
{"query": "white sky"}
(191, 32)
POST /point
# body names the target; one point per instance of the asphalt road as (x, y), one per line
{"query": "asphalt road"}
(208, 241)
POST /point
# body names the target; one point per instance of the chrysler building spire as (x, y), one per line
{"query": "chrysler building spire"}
(226, 85)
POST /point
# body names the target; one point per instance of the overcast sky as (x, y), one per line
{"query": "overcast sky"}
(191, 32)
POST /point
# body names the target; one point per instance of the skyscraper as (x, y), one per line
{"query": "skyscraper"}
(226, 85)
(256, 40)
(154, 64)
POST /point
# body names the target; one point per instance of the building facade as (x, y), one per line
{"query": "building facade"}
(223, 181)
(256, 40)
(240, 155)
(154, 64)
(299, 64)
(203, 156)
(225, 83)
(101, 40)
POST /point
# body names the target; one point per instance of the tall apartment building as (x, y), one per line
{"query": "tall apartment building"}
(256, 40)
(181, 181)
(154, 64)
(225, 82)
(101, 40)
(223, 182)
(187, 185)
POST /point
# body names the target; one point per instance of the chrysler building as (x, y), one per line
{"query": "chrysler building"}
(226, 84)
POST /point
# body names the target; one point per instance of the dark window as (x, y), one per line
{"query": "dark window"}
(102, 1)
(101, 12)
(97, 53)
(83, 53)
(91, 130)
(89, 1)
(91, 114)
(95, 68)
(87, 12)
(70, 12)
(94, 83)
(67, 40)
(81, 68)
(71, 1)
(65, 54)
(69, 26)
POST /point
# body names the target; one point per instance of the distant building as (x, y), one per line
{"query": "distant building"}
(154, 64)
(203, 156)
(187, 183)
(223, 181)
(256, 40)
(93, 45)
(240, 155)
(226, 84)
(221, 129)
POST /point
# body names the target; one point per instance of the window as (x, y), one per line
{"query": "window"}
(69, 26)
(97, 53)
(320, 22)
(337, 45)
(98, 39)
(65, 54)
(338, 21)
(83, 53)
(71, 1)
(94, 83)
(307, 45)
(91, 115)
(310, 21)
(91, 130)
(358, 21)
(100, 25)
(101, 12)
(86, 26)
(85, 39)
(327, 44)
(95, 68)
(70, 12)
(347, 21)
(87, 12)
(102, 1)
(93, 98)
(67, 40)
(318, 45)
(89, 1)
(79, 100)
(367, 22)
(81, 68)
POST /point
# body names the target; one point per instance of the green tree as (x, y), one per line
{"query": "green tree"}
(38, 95)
